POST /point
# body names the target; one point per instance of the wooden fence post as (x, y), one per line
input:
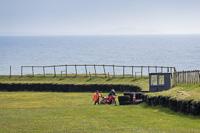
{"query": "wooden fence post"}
(198, 76)
(123, 71)
(132, 71)
(86, 70)
(167, 69)
(175, 78)
(156, 69)
(170, 69)
(75, 70)
(10, 71)
(190, 81)
(186, 77)
(141, 71)
(21, 71)
(161, 69)
(66, 70)
(44, 71)
(113, 70)
(108, 75)
(135, 74)
(33, 71)
(148, 69)
(104, 70)
(174, 69)
(54, 71)
(95, 70)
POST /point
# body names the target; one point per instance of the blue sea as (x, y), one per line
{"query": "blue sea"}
(180, 51)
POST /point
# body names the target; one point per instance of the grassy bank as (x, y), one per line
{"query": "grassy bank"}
(75, 112)
(183, 92)
(142, 82)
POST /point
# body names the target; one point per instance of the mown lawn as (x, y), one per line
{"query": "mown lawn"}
(142, 82)
(75, 112)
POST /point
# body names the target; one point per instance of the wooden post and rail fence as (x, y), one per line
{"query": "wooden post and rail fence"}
(134, 69)
(187, 77)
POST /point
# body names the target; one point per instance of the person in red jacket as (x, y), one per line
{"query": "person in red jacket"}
(95, 97)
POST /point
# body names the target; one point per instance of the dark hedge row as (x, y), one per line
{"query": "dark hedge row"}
(68, 87)
(186, 107)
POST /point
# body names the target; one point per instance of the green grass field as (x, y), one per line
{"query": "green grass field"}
(187, 92)
(142, 82)
(75, 112)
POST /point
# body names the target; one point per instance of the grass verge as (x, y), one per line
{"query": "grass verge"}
(183, 92)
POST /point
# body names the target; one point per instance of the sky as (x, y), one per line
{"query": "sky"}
(94, 17)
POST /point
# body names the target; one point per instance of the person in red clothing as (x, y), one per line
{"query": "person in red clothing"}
(95, 97)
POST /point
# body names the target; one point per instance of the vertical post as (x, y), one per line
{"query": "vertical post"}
(174, 69)
(108, 75)
(33, 71)
(10, 71)
(156, 69)
(141, 71)
(66, 70)
(174, 78)
(132, 71)
(76, 69)
(123, 71)
(44, 71)
(90, 76)
(113, 70)
(197, 76)
(104, 70)
(135, 74)
(167, 69)
(148, 69)
(54, 71)
(170, 69)
(186, 73)
(61, 74)
(161, 69)
(189, 77)
(178, 77)
(185, 77)
(86, 70)
(95, 70)
(21, 71)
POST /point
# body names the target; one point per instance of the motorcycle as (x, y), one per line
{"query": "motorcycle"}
(108, 100)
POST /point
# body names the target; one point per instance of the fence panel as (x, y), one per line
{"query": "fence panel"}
(187, 77)
(97, 69)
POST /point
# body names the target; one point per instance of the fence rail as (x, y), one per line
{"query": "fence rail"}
(188, 77)
(133, 69)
